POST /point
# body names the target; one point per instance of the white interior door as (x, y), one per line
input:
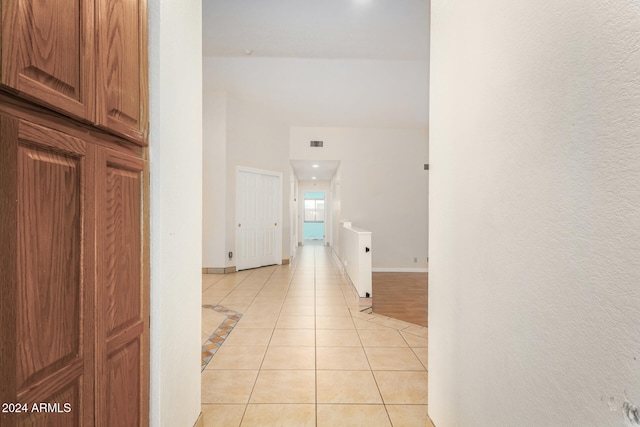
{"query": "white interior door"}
(259, 217)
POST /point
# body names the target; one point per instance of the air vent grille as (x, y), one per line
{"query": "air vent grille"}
(317, 144)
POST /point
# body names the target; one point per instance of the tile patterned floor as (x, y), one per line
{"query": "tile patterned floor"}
(294, 349)
(215, 340)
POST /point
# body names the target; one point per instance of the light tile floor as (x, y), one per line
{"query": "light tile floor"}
(303, 354)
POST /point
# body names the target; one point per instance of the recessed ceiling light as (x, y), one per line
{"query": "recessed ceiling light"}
(313, 177)
(316, 166)
(248, 51)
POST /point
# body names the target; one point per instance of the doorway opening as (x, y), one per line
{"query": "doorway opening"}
(314, 218)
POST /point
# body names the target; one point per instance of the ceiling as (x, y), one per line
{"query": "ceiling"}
(305, 170)
(363, 29)
(325, 63)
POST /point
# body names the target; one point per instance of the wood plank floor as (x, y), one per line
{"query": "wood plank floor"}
(402, 296)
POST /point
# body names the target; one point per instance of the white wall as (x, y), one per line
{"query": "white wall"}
(293, 212)
(383, 186)
(214, 178)
(258, 140)
(303, 91)
(336, 205)
(176, 205)
(237, 133)
(534, 287)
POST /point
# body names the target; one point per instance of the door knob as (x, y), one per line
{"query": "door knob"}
(275, 224)
(239, 225)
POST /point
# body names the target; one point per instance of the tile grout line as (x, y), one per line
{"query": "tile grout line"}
(216, 281)
(232, 289)
(352, 313)
(246, 406)
(375, 380)
(315, 333)
(244, 413)
(384, 403)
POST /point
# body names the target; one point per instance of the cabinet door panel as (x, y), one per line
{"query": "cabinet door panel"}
(123, 397)
(52, 335)
(122, 247)
(122, 67)
(121, 300)
(47, 51)
(61, 409)
(50, 286)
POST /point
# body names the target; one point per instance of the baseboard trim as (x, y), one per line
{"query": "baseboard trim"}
(218, 270)
(399, 270)
(200, 421)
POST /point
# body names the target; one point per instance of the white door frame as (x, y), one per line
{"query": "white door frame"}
(278, 233)
(301, 211)
(328, 223)
(293, 218)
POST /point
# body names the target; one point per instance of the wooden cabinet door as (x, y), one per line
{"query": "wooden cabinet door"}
(47, 53)
(122, 80)
(122, 307)
(46, 233)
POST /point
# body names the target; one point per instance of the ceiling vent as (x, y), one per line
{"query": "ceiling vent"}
(317, 143)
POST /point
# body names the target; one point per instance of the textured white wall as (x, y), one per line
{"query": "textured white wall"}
(328, 92)
(336, 205)
(214, 178)
(534, 287)
(293, 212)
(237, 133)
(175, 52)
(258, 140)
(383, 186)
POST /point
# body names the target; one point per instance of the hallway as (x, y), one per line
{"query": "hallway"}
(291, 348)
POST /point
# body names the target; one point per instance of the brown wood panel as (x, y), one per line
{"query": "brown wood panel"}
(12, 105)
(48, 386)
(145, 291)
(124, 336)
(50, 286)
(74, 310)
(8, 262)
(122, 81)
(47, 53)
(63, 409)
(123, 397)
(122, 241)
(46, 342)
(122, 364)
(403, 296)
